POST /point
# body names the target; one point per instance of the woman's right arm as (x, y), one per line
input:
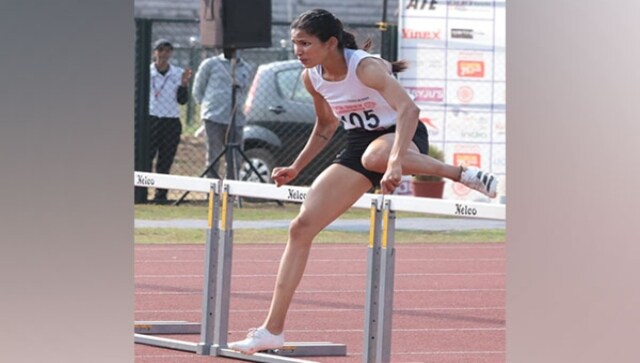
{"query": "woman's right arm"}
(323, 130)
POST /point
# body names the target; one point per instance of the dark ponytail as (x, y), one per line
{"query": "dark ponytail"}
(399, 66)
(348, 40)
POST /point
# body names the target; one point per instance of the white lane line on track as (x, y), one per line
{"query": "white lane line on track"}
(394, 330)
(330, 310)
(318, 291)
(459, 352)
(332, 275)
(354, 354)
(398, 259)
(326, 247)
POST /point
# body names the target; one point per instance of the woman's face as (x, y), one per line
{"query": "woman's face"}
(309, 50)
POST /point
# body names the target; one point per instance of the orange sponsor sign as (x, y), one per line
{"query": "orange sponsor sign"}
(467, 159)
(469, 68)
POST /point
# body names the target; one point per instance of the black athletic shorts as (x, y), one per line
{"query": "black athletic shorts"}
(359, 139)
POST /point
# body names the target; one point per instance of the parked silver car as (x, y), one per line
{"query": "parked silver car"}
(280, 118)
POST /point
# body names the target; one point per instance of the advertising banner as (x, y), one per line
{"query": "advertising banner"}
(456, 75)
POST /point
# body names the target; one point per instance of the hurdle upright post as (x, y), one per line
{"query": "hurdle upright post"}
(210, 290)
(387, 274)
(372, 305)
(224, 270)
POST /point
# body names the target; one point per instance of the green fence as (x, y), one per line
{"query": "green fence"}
(278, 119)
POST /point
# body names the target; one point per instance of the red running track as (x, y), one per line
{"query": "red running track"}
(449, 301)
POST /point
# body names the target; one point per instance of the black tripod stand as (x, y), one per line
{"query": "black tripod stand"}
(231, 143)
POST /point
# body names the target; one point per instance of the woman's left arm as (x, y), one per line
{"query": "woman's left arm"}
(373, 73)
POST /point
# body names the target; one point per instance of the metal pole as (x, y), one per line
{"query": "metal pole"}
(224, 271)
(371, 306)
(384, 11)
(231, 132)
(211, 268)
(192, 64)
(141, 112)
(387, 272)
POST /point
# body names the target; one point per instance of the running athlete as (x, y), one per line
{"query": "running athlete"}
(384, 141)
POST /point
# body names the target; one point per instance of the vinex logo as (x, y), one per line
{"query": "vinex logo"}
(421, 34)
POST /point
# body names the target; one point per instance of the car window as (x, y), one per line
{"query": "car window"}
(300, 93)
(290, 86)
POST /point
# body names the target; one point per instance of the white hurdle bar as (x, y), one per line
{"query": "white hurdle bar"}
(380, 273)
(400, 203)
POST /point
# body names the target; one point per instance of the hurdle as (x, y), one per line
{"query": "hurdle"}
(381, 261)
(380, 267)
(144, 331)
(213, 328)
(379, 291)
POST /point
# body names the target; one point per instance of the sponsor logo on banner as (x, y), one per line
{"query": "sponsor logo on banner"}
(431, 65)
(468, 159)
(470, 55)
(465, 4)
(472, 69)
(471, 127)
(426, 94)
(296, 195)
(472, 7)
(421, 34)
(499, 127)
(413, 4)
(460, 3)
(462, 33)
(474, 134)
(145, 180)
(465, 94)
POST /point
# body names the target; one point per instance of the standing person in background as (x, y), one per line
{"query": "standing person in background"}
(212, 89)
(384, 141)
(169, 89)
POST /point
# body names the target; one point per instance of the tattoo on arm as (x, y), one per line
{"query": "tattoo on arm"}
(322, 136)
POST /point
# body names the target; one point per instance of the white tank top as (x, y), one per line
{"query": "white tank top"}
(353, 103)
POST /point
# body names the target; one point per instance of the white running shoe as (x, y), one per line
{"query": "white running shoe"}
(257, 340)
(479, 180)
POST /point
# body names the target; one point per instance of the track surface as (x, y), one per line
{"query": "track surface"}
(449, 301)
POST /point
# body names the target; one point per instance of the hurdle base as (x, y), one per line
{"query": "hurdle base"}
(166, 327)
(289, 353)
(165, 343)
(144, 332)
(310, 349)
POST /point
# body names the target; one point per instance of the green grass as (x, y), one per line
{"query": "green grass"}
(249, 212)
(266, 211)
(198, 236)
